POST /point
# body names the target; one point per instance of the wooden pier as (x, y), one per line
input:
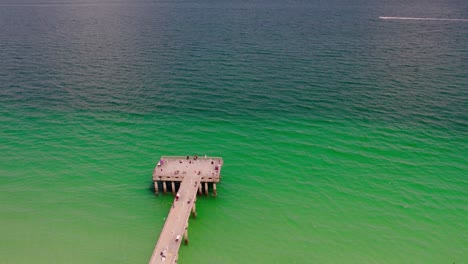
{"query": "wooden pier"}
(192, 174)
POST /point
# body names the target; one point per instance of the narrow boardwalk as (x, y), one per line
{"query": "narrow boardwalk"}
(192, 173)
(176, 225)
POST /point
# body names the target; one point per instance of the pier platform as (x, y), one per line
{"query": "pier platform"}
(191, 174)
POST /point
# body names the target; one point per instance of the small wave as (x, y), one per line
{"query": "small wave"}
(424, 18)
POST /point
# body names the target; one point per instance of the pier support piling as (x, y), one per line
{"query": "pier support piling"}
(200, 189)
(194, 210)
(173, 187)
(164, 187)
(156, 189)
(214, 189)
(206, 188)
(186, 236)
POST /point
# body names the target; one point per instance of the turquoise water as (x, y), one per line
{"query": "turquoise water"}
(344, 136)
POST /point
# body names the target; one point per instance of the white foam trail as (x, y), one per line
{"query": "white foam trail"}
(424, 18)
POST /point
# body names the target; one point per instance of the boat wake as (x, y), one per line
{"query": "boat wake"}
(424, 18)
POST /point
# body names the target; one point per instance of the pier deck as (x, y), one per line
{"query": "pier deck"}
(192, 173)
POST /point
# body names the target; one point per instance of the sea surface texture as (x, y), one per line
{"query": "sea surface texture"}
(344, 135)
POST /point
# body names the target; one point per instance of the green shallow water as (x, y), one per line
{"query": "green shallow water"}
(344, 136)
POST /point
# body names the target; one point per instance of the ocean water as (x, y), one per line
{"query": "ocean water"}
(344, 136)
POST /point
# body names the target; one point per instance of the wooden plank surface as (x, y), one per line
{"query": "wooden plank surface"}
(167, 248)
(176, 168)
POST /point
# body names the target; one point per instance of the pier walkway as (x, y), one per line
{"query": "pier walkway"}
(192, 173)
